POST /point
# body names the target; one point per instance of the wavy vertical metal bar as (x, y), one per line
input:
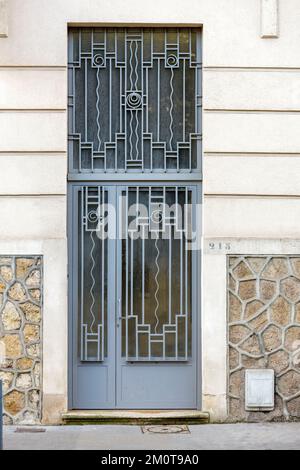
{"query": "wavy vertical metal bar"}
(131, 112)
(136, 113)
(98, 109)
(93, 282)
(171, 109)
(136, 66)
(136, 136)
(156, 282)
(130, 136)
(131, 67)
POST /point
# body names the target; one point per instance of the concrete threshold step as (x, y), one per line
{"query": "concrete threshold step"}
(137, 417)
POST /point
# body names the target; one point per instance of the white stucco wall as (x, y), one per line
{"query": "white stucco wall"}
(251, 145)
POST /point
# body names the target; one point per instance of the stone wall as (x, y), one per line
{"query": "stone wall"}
(20, 338)
(264, 331)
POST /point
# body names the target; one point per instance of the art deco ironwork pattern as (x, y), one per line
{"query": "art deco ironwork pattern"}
(134, 100)
(92, 267)
(156, 278)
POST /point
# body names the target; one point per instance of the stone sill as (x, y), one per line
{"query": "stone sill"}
(138, 417)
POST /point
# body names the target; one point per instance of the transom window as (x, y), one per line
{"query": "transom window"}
(134, 100)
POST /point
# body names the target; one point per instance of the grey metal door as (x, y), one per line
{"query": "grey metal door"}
(135, 304)
(134, 185)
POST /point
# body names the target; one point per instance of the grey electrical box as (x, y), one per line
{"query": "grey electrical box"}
(259, 393)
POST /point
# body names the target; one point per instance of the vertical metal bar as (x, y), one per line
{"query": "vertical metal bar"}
(186, 269)
(158, 99)
(100, 347)
(176, 337)
(120, 100)
(199, 94)
(149, 189)
(181, 269)
(143, 277)
(83, 196)
(176, 314)
(183, 100)
(80, 62)
(142, 95)
(74, 99)
(110, 104)
(71, 102)
(103, 242)
(92, 49)
(131, 275)
(121, 115)
(85, 100)
(152, 63)
(190, 45)
(170, 274)
(147, 99)
(125, 110)
(126, 235)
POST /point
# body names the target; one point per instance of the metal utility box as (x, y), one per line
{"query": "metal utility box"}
(259, 393)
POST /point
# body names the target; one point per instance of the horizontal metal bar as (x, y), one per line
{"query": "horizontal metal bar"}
(159, 177)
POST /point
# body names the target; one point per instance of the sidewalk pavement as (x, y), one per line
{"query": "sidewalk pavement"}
(207, 436)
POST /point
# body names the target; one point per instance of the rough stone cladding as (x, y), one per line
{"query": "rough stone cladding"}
(264, 331)
(20, 337)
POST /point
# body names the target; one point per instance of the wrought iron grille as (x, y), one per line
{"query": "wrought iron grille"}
(134, 100)
(92, 269)
(156, 277)
(154, 227)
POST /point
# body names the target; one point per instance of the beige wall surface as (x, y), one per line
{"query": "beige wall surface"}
(232, 28)
(251, 148)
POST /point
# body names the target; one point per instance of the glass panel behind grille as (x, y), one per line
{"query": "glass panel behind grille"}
(156, 274)
(92, 278)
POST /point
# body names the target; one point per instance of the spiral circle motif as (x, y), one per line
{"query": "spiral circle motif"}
(172, 60)
(93, 216)
(98, 60)
(156, 216)
(134, 100)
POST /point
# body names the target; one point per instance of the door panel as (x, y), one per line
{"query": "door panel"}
(93, 256)
(93, 312)
(156, 365)
(134, 297)
(157, 386)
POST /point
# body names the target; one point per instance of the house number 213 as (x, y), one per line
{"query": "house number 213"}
(219, 246)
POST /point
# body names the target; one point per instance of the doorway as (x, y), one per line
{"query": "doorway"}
(134, 195)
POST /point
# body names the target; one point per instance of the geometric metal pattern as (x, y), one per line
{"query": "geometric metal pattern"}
(92, 275)
(156, 281)
(134, 100)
